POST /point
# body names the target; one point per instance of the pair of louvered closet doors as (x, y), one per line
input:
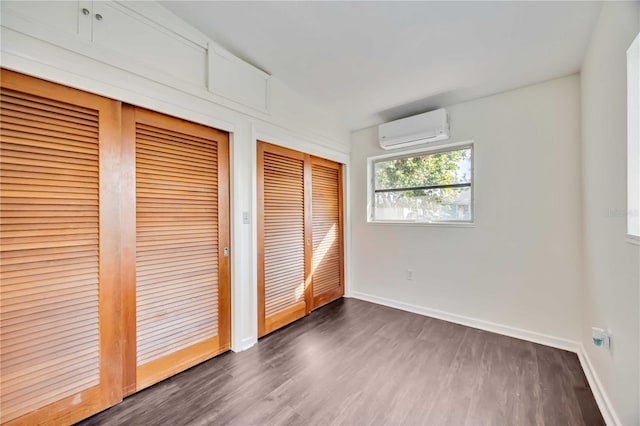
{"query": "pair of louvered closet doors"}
(300, 243)
(112, 273)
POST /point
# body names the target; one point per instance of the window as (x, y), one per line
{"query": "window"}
(633, 142)
(428, 187)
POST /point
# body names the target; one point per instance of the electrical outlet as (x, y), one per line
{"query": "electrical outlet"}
(409, 275)
(601, 337)
(246, 218)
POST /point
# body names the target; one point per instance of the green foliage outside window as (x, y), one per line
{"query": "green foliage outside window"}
(428, 187)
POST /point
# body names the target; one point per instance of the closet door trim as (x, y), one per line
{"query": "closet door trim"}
(308, 236)
(129, 331)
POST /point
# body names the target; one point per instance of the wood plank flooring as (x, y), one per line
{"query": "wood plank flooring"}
(354, 362)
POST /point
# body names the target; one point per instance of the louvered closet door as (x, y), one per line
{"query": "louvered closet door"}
(60, 357)
(326, 216)
(182, 230)
(282, 267)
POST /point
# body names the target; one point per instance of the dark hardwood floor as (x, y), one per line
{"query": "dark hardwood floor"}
(354, 362)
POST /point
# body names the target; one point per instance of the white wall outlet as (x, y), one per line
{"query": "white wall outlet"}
(601, 337)
(409, 274)
(246, 219)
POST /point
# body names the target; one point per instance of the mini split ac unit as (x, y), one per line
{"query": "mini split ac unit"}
(418, 129)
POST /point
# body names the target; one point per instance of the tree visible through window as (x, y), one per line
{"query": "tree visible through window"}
(428, 187)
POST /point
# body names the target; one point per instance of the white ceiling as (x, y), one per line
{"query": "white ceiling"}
(371, 62)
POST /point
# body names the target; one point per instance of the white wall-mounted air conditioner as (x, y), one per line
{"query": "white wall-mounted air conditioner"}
(418, 129)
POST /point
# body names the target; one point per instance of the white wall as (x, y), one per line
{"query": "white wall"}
(520, 266)
(293, 122)
(612, 265)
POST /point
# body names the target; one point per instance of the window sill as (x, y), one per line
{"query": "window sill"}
(428, 224)
(633, 239)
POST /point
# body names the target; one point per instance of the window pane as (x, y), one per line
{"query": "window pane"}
(425, 205)
(450, 167)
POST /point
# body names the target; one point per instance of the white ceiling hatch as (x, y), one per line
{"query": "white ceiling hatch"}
(371, 62)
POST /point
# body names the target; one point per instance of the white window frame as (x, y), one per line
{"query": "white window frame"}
(633, 142)
(434, 149)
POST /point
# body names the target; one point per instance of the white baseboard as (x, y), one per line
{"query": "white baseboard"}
(518, 333)
(608, 413)
(245, 344)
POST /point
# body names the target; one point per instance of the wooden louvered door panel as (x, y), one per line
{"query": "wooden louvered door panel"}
(282, 264)
(60, 357)
(327, 278)
(182, 231)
